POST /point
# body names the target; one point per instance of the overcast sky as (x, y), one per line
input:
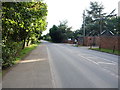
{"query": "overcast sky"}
(72, 10)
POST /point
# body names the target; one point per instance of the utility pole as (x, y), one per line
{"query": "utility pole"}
(100, 19)
(84, 33)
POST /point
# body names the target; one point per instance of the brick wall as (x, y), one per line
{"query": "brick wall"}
(110, 42)
(91, 41)
(70, 41)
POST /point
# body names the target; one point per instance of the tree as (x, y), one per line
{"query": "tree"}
(46, 37)
(92, 20)
(21, 22)
(96, 10)
(69, 33)
(56, 34)
(60, 33)
(96, 21)
(77, 33)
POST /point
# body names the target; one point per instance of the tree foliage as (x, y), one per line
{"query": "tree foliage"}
(96, 21)
(46, 37)
(22, 22)
(61, 33)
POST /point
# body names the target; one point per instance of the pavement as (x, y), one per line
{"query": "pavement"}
(53, 65)
(32, 72)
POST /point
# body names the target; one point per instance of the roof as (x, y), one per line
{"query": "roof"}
(107, 33)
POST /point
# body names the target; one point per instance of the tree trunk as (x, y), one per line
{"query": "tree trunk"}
(24, 43)
(28, 41)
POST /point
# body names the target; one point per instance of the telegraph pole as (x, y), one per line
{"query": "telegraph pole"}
(100, 28)
(84, 23)
(100, 19)
(84, 33)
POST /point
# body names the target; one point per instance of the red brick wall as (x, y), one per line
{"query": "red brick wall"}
(110, 42)
(70, 42)
(91, 40)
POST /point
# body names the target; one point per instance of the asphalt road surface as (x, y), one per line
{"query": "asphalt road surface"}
(78, 67)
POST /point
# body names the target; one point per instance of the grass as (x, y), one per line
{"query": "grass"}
(107, 50)
(76, 45)
(25, 51)
(0, 73)
(22, 54)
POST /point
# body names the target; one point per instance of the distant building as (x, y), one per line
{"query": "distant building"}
(107, 33)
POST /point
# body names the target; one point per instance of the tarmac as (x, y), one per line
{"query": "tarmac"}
(32, 72)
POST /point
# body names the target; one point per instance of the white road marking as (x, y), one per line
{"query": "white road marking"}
(56, 81)
(106, 63)
(89, 59)
(107, 60)
(85, 55)
(111, 73)
(98, 63)
(52, 72)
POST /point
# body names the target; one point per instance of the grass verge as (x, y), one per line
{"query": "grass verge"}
(116, 52)
(22, 55)
(25, 52)
(76, 45)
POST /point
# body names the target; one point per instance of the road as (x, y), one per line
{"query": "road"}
(53, 65)
(78, 67)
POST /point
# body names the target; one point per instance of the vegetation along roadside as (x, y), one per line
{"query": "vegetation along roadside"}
(22, 54)
(116, 52)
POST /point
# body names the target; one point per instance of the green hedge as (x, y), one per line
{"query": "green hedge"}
(9, 53)
(12, 52)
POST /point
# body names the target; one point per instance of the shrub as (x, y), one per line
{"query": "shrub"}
(9, 53)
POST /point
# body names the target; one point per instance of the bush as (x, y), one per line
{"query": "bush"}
(9, 53)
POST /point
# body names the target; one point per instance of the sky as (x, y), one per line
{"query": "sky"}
(72, 11)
